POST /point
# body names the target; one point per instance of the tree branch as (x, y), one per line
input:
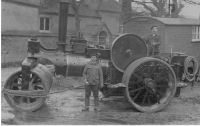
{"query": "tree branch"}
(155, 3)
(152, 11)
(192, 2)
(74, 6)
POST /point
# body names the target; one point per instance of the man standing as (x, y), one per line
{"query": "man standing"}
(93, 76)
(153, 42)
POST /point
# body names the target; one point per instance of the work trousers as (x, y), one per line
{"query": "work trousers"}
(95, 90)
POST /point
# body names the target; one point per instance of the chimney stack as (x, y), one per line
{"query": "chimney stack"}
(62, 29)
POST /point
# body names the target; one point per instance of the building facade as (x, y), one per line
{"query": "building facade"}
(22, 19)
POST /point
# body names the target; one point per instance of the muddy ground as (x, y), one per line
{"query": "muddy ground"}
(64, 104)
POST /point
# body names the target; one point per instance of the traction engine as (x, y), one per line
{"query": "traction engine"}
(148, 83)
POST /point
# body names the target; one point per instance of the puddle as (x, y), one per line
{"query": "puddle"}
(114, 121)
(8, 118)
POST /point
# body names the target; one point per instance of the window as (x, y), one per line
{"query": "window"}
(44, 24)
(196, 34)
(102, 38)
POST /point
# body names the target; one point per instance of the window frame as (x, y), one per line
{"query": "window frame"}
(104, 37)
(196, 33)
(44, 24)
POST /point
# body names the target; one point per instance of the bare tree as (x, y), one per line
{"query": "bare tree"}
(192, 2)
(176, 9)
(158, 8)
(126, 12)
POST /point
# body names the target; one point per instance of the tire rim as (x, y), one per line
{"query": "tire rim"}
(151, 85)
(21, 102)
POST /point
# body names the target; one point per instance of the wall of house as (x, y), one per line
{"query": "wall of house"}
(36, 2)
(179, 38)
(19, 22)
(142, 28)
(16, 17)
(93, 4)
(54, 22)
(13, 48)
(49, 39)
(89, 21)
(111, 20)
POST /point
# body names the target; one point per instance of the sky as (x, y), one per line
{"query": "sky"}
(191, 11)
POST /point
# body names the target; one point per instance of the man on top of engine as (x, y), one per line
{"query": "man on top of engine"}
(93, 76)
(153, 42)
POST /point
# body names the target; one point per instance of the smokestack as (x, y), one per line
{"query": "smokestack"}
(62, 29)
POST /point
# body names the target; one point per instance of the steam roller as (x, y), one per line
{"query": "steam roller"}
(148, 83)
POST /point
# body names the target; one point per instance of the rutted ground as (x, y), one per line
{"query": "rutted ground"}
(65, 108)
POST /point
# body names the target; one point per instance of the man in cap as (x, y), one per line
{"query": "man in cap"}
(93, 77)
(153, 42)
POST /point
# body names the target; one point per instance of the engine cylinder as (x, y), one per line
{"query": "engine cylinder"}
(76, 64)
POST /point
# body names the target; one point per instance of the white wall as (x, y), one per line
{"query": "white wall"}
(112, 21)
(16, 17)
(71, 23)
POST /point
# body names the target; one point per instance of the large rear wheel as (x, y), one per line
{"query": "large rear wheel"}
(151, 84)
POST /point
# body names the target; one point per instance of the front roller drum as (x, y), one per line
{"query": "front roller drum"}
(150, 84)
(40, 80)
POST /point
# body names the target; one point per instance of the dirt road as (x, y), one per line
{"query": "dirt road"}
(65, 108)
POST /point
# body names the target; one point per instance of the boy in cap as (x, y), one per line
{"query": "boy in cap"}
(93, 77)
(153, 42)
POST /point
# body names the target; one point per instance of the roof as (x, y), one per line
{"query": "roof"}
(172, 21)
(84, 10)
(110, 5)
(33, 3)
(94, 29)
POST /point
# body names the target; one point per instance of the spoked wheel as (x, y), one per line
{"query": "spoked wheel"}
(36, 82)
(151, 84)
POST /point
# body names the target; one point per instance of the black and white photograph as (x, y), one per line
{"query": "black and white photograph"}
(100, 62)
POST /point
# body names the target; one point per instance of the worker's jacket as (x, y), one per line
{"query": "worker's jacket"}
(153, 43)
(93, 74)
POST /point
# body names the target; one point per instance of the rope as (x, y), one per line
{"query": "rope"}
(190, 76)
(25, 93)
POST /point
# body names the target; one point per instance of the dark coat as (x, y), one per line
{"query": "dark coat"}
(153, 44)
(93, 74)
